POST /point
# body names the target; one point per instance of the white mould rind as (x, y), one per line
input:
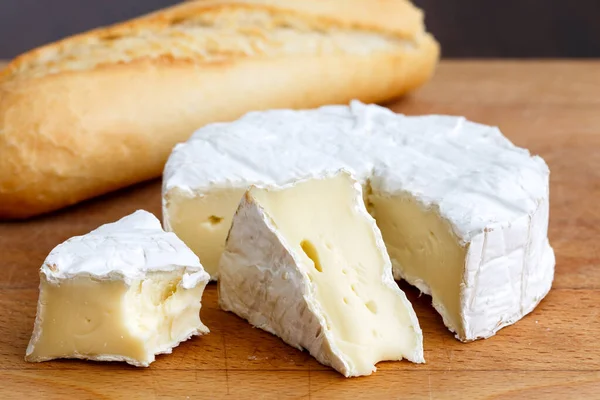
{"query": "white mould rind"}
(124, 250)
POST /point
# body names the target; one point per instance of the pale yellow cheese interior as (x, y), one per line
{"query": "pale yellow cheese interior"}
(422, 246)
(86, 317)
(336, 244)
(419, 241)
(203, 222)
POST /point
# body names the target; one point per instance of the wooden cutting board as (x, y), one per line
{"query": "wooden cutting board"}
(550, 107)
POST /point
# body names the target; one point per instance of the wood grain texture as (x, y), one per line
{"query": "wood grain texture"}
(549, 107)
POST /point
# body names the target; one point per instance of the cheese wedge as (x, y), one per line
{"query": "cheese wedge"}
(124, 292)
(308, 264)
(463, 212)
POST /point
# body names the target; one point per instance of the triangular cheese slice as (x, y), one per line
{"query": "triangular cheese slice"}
(307, 263)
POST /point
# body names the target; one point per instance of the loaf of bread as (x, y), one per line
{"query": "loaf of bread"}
(102, 110)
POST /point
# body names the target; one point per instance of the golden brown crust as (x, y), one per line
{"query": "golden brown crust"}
(395, 18)
(73, 135)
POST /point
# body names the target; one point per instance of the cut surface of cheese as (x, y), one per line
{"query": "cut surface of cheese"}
(124, 292)
(429, 251)
(308, 264)
(463, 212)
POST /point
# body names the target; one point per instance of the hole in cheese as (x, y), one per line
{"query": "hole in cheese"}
(169, 291)
(214, 220)
(311, 252)
(372, 306)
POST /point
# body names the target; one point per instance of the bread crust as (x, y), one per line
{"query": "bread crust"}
(399, 18)
(72, 135)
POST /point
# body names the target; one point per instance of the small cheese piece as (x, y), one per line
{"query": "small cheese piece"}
(124, 292)
(463, 211)
(308, 264)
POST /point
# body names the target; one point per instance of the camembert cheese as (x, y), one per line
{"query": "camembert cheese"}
(463, 212)
(308, 264)
(124, 292)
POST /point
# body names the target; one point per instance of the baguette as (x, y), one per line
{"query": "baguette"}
(102, 110)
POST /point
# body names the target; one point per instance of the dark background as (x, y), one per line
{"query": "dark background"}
(465, 28)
